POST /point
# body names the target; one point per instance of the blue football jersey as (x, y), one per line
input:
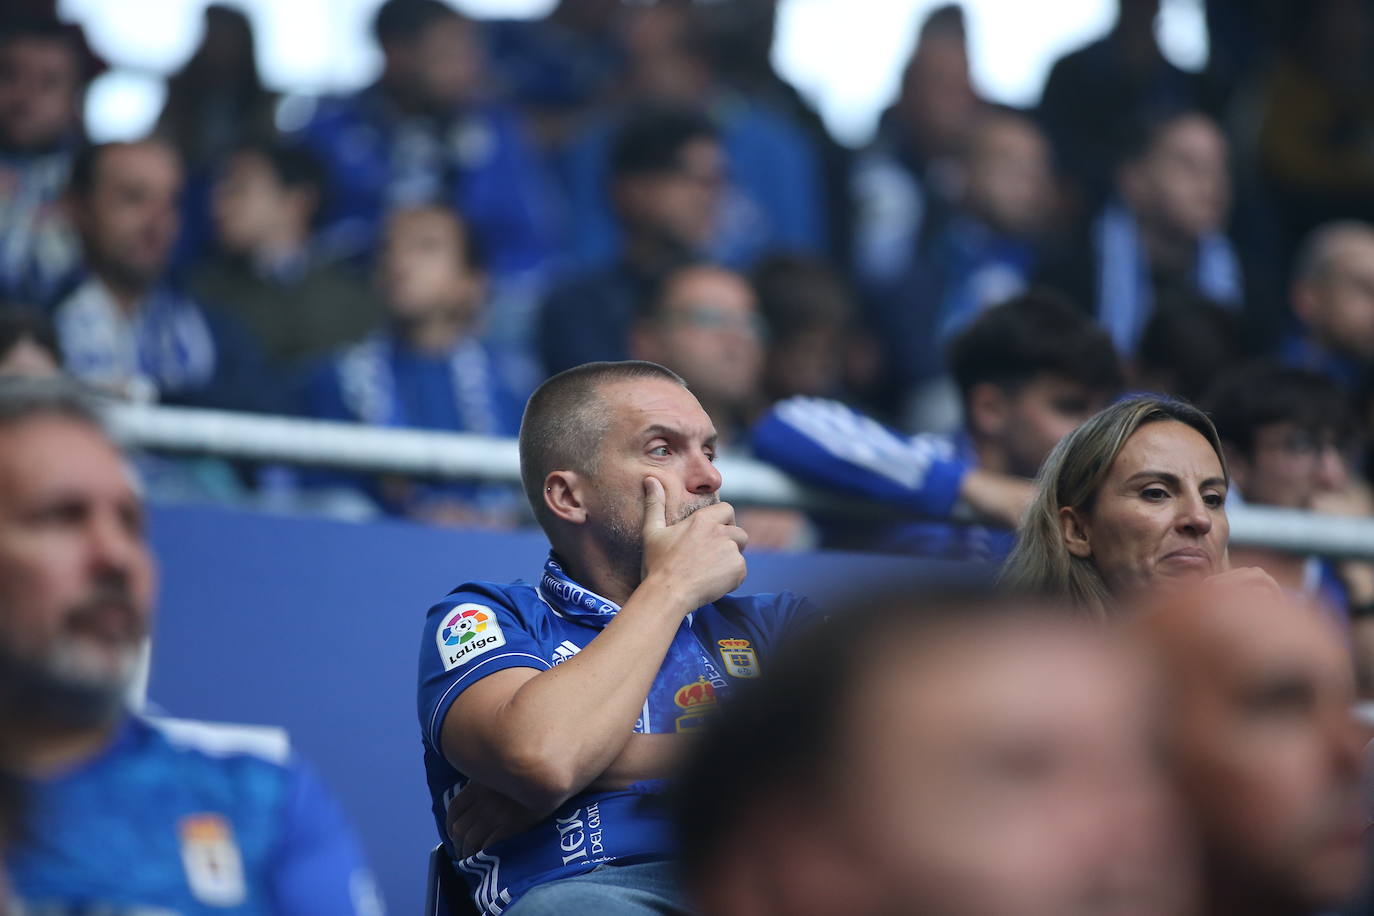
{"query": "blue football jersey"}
(175, 818)
(485, 627)
(828, 444)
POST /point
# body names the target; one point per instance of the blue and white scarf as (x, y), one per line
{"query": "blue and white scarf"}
(368, 384)
(685, 662)
(165, 346)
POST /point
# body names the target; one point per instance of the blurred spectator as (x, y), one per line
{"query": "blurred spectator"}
(214, 102)
(217, 98)
(423, 132)
(559, 69)
(1029, 371)
(814, 346)
(427, 368)
(904, 183)
(1266, 753)
(28, 344)
(1317, 115)
(1333, 299)
(190, 818)
(954, 754)
(29, 348)
(1186, 344)
(666, 173)
(297, 303)
(770, 181)
(1095, 96)
(123, 327)
(740, 36)
(1287, 435)
(704, 324)
(43, 78)
(1163, 237)
(985, 250)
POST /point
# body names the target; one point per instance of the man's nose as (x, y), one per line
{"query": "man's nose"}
(702, 476)
(113, 548)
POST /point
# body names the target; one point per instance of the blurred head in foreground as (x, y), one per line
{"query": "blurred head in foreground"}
(76, 574)
(962, 754)
(1265, 749)
(1132, 499)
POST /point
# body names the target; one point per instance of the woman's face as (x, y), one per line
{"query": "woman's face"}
(1160, 514)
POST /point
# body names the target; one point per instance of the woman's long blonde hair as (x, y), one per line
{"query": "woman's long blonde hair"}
(1071, 476)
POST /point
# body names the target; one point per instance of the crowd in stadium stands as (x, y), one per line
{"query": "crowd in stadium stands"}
(1065, 338)
(513, 198)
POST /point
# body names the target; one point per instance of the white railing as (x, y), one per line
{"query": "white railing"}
(465, 456)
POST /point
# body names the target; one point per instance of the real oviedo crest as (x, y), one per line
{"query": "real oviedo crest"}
(739, 658)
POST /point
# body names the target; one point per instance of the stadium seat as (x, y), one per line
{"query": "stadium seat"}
(447, 894)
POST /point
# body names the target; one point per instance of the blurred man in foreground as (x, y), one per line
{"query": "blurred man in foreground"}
(127, 814)
(954, 755)
(1266, 751)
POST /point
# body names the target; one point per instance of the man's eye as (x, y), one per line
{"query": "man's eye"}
(710, 455)
(659, 451)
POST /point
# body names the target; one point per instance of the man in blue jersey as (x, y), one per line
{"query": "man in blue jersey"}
(1028, 372)
(125, 815)
(550, 712)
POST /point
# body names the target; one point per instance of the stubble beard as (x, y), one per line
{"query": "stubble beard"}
(78, 682)
(625, 537)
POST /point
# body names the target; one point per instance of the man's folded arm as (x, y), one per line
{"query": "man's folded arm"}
(542, 736)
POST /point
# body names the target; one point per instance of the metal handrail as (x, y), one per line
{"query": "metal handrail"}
(423, 453)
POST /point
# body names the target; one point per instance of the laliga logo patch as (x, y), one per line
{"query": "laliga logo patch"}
(739, 658)
(214, 867)
(468, 631)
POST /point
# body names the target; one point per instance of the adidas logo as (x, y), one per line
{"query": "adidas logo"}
(565, 651)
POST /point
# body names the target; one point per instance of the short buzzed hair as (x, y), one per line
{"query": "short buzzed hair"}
(565, 420)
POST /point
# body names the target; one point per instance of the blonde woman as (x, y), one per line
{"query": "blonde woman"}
(1134, 497)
